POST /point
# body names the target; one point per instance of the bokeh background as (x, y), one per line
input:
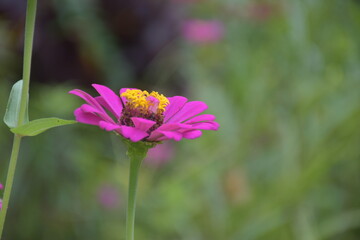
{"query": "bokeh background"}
(282, 77)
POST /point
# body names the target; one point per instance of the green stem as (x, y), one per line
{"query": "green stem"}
(136, 153)
(130, 215)
(9, 180)
(28, 45)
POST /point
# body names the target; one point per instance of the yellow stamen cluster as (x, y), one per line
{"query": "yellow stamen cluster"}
(140, 99)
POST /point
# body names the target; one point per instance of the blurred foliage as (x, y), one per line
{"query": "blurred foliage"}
(284, 84)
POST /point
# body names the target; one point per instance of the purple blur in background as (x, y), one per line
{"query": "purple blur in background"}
(203, 31)
(108, 196)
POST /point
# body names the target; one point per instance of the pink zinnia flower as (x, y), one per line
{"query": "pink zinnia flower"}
(141, 116)
(203, 31)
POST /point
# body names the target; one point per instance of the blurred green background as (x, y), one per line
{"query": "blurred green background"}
(282, 77)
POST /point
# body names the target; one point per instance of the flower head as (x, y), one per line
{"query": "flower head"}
(142, 116)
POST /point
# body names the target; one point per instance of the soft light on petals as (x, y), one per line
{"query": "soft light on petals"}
(134, 134)
(108, 126)
(87, 118)
(201, 118)
(189, 110)
(192, 134)
(103, 103)
(206, 126)
(171, 135)
(176, 103)
(99, 112)
(158, 134)
(87, 97)
(142, 124)
(1, 186)
(112, 100)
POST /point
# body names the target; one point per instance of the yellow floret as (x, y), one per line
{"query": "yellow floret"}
(139, 99)
(163, 101)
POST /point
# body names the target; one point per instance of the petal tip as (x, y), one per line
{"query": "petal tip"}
(73, 91)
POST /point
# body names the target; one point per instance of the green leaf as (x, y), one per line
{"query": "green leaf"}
(11, 117)
(38, 126)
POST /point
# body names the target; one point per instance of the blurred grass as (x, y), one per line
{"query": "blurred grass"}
(284, 164)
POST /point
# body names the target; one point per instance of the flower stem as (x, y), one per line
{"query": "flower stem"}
(9, 180)
(28, 45)
(130, 215)
(136, 152)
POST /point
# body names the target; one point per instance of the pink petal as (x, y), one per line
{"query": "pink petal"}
(87, 97)
(86, 117)
(142, 124)
(101, 100)
(90, 109)
(158, 134)
(176, 103)
(171, 135)
(206, 126)
(134, 134)
(154, 103)
(108, 126)
(201, 118)
(192, 134)
(112, 100)
(189, 110)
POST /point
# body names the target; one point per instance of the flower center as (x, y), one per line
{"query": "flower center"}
(145, 105)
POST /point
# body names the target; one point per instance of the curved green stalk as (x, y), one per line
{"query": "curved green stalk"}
(136, 153)
(28, 45)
